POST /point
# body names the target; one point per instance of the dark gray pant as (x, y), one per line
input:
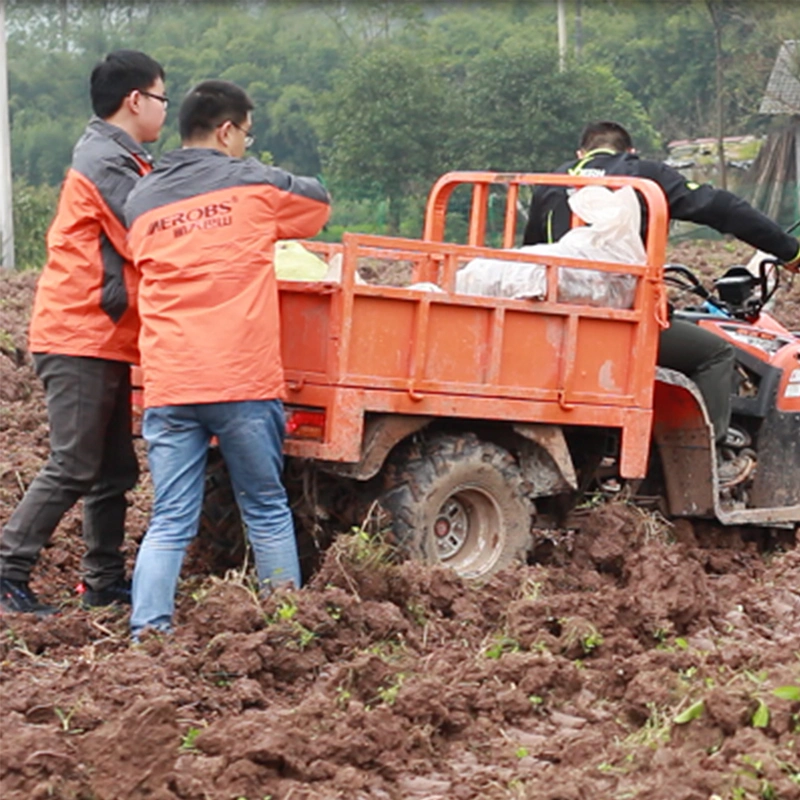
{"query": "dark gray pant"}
(91, 456)
(708, 360)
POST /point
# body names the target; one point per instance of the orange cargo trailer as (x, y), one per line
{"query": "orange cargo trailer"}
(460, 411)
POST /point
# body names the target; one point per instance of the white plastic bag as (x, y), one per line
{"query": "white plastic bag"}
(611, 234)
(496, 278)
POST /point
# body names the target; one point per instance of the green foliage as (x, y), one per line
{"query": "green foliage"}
(383, 127)
(34, 208)
(65, 719)
(654, 732)
(343, 696)
(536, 700)
(521, 114)
(382, 97)
(287, 609)
(285, 614)
(665, 56)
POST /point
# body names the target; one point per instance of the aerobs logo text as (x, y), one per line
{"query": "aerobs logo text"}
(210, 215)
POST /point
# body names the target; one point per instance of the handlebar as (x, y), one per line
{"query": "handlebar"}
(733, 293)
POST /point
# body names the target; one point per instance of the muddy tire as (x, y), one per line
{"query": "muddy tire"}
(221, 542)
(460, 502)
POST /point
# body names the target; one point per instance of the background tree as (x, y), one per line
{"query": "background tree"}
(379, 97)
(522, 114)
(383, 127)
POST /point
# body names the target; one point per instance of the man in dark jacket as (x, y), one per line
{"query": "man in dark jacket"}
(606, 148)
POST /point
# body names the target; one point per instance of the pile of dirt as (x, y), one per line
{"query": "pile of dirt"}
(379, 680)
(639, 660)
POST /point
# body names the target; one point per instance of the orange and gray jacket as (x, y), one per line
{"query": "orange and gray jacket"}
(550, 215)
(85, 301)
(203, 226)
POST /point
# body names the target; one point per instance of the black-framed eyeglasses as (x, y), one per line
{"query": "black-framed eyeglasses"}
(163, 98)
(249, 139)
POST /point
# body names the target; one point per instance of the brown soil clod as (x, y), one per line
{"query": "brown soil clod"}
(639, 664)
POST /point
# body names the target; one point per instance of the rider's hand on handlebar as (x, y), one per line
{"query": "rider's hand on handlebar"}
(794, 264)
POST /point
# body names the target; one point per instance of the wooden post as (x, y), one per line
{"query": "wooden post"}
(796, 130)
(6, 202)
(562, 36)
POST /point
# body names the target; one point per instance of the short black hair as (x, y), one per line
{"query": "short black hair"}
(605, 134)
(210, 103)
(117, 75)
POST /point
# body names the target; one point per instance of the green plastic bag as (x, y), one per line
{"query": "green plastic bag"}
(294, 263)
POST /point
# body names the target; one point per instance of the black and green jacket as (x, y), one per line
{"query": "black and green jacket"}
(549, 217)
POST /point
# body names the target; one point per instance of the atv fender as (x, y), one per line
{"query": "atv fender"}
(684, 435)
(381, 433)
(548, 466)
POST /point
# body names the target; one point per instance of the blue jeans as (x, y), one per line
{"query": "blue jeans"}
(250, 437)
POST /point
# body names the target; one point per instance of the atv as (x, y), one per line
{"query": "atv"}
(765, 423)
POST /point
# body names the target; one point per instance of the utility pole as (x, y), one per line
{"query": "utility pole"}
(6, 203)
(562, 36)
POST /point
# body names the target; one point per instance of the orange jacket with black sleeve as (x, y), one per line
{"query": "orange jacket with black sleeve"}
(203, 226)
(85, 302)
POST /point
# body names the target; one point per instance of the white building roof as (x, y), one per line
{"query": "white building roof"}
(782, 95)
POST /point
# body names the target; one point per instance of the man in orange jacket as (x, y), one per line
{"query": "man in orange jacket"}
(203, 227)
(83, 338)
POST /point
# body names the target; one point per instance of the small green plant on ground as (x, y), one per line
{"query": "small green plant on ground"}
(6, 341)
(761, 715)
(579, 631)
(65, 718)
(368, 549)
(500, 645)
(343, 696)
(287, 610)
(189, 740)
(284, 614)
(694, 711)
(388, 694)
(654, 732)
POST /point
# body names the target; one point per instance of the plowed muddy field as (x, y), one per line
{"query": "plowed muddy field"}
(636, 659)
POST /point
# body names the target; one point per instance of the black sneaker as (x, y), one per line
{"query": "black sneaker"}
(118, 593)
(16, 597)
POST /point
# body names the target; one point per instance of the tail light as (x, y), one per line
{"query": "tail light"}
(305, 423)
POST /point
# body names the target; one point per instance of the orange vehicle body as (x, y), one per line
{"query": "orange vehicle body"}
(472, 420)
(351, 350)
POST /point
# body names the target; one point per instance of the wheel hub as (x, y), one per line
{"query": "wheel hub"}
(451, 527)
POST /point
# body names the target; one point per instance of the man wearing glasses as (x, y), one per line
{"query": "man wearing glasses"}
(203, 227)
(83, 338)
